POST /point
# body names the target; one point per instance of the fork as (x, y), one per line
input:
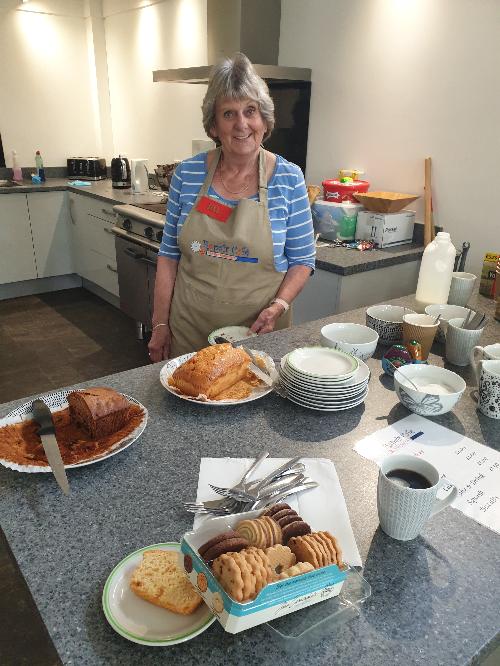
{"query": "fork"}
(248, 493)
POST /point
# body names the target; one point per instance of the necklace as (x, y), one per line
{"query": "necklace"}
(244, 189)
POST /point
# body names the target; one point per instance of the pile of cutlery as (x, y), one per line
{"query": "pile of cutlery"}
(479, 320)
(248, 495)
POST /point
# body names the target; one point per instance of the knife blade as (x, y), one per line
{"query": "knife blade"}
(253, 367)
(43, 416)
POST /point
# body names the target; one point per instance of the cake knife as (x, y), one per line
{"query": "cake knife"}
(42, 415)
(253, 366)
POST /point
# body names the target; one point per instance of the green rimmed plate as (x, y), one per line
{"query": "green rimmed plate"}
(140, 621)
(322, 363)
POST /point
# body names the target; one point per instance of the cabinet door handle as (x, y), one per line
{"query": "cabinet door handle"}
(148, 261)
(107, 212)
(135, 255)
(112, 268)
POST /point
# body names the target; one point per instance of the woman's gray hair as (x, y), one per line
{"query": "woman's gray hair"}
(236, 78)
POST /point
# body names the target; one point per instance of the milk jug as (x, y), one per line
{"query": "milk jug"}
(436, 269)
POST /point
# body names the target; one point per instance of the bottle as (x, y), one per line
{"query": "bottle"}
(497, 292)
(17, 174)
(436, 269)
(39, 166)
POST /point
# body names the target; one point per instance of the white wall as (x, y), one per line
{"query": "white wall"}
(45, 84)
(395, 81)
(154, 120)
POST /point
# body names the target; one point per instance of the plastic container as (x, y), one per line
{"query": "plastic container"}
(339, 192)
(17, 174)
(39, 166)
(436, 270)
(335, 220)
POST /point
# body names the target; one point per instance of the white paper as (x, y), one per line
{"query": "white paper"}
(324, 507)
(474, 468)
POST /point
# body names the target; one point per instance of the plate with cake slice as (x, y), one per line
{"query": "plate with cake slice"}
(218, 375)
(90, 424)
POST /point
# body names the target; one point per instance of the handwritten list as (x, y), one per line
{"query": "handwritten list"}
(474, 468)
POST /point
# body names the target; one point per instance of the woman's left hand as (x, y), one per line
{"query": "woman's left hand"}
(267, 319)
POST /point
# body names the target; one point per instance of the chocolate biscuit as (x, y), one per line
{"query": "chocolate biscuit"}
(231, 534)
(274, 508)
(284, 512)
(232, 545)
(297, 528)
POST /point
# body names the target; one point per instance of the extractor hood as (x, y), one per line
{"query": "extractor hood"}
(249, 26)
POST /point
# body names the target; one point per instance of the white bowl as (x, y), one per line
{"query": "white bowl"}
(355, 339)
(387, 321)
(231, 333)
(440, 389)
(447, 312)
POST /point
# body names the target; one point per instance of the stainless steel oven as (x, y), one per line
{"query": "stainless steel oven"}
(137, 240)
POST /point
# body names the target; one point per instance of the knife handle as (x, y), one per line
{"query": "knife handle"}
(43, 416)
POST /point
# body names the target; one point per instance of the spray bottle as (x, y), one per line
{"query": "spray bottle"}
(39, 166)
(17, 174)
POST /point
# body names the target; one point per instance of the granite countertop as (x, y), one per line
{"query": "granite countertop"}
(337, 260)
(434, 599)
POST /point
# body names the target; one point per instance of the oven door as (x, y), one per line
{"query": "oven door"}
(136, 274)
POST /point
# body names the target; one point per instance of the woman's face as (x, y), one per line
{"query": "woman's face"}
(239, 126)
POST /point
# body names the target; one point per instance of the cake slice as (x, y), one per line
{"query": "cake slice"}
(211, 371)
(159, 580)
(99, 411)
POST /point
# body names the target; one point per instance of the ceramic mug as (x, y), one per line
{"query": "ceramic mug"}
(486, 353)
(460, 342)
(461, 288)
(489, 388)
(403, 510)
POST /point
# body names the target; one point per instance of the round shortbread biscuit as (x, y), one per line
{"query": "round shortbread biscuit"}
(296, 570)
(252, 531)
(329, 547)
(297, 528)
(229, 576)
(274, 508)
(336, 545)
(303, 551)
(274, 528)
(316, 542)
(258, 571)
(231, 534)
(268, 534)
(264, 560)
(247, 575)
(228, 545)
(280, 558)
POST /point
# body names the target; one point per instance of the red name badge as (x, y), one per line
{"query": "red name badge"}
(215, 209)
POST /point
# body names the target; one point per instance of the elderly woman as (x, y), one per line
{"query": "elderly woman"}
(238, 243)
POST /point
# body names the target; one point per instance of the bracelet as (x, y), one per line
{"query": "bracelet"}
(158, 325)
(282, 302)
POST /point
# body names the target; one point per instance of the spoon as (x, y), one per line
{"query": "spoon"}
(417, 388)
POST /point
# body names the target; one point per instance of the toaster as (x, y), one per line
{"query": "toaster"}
(87, 168)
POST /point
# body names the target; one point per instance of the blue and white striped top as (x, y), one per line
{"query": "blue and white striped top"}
(289, 211)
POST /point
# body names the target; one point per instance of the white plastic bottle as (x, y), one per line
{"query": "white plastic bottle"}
(434, 279)
(17, 174)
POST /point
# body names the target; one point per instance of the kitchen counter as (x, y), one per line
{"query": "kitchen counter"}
(434, 600)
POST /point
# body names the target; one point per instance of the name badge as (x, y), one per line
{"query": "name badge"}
(214, 209)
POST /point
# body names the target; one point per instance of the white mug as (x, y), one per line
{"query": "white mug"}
(461, 288)
(489, 388)
(488, 352)
(460, 342)
(403, 510)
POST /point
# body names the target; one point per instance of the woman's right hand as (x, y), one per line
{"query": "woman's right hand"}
(159, 345)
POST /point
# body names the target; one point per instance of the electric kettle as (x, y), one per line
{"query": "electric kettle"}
(139, 175)
(120, 172)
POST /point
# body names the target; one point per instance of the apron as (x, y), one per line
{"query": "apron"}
(226, 274)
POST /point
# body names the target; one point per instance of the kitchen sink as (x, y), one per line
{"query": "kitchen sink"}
(8, 183)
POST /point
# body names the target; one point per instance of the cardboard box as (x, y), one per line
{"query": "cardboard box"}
(488, 274)
(386, 229)
(275, 600)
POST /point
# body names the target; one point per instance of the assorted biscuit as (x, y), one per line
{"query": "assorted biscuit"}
(275, 546)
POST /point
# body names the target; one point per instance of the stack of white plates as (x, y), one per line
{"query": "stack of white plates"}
(328, 380)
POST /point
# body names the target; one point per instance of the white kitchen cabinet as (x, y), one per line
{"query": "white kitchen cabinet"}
(94, 242)
(52, 238)
(17, 256)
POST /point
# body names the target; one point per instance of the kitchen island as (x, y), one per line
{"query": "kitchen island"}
(434, 600)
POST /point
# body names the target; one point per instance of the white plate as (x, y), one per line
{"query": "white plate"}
(326, 392)
(327, 409)
(143, 622)
(333, 400)
(56, 402)
(322, 362)
(258, 392)
(361, 374)
(231, 333)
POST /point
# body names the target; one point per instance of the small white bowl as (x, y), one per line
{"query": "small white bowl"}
(387, 321)
(360, 341)
(440, 389)
(447, 312)
(231, 333)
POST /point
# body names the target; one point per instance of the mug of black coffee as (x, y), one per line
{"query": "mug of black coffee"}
(406, 495)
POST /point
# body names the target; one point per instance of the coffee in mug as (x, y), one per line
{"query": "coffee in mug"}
(406, 495)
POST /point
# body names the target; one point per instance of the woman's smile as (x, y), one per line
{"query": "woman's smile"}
(238, 126)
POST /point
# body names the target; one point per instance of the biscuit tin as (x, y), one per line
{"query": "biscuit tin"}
(276, 599)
